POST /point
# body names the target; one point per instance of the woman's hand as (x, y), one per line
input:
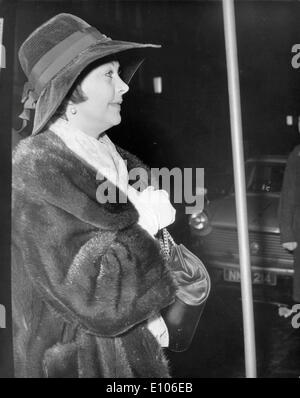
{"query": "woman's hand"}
(160, 204)
(154, 208)
(291, 246)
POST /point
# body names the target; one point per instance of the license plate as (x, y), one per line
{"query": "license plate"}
(258, 277)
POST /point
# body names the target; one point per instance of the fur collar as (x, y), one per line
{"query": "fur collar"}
(44, 166)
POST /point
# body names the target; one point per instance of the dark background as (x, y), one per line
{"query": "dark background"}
(188, 124)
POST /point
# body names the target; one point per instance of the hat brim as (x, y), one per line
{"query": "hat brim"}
(56, 90)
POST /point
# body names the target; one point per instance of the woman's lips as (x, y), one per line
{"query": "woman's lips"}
(116, 105)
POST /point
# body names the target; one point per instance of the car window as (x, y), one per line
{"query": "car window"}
(264, 176)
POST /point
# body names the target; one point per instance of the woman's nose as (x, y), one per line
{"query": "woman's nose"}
(122, 86)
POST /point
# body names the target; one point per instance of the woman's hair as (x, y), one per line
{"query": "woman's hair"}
(75, 95)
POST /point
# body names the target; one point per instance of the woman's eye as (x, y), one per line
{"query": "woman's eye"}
(110, 73)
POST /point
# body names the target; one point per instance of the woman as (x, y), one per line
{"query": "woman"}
(88, 277)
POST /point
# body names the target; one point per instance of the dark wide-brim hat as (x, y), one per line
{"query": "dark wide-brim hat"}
(55, 54)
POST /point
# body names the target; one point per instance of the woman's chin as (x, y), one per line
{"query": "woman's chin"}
(117, 120)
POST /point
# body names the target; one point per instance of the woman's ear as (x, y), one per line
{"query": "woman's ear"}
(71, 109)
(69, 104)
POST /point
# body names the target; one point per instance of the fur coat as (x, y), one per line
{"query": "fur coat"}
(85, 276)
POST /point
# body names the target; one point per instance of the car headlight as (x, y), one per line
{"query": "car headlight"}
(200, 222)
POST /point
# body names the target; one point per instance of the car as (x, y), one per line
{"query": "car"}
(214, 234)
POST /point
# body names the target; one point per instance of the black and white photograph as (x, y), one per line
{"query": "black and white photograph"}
(150, 191)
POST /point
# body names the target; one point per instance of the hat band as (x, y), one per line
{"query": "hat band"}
(61, 54)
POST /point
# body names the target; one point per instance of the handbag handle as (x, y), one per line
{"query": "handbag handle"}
(165, 242)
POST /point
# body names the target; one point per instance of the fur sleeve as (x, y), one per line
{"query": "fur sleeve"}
(108, 292)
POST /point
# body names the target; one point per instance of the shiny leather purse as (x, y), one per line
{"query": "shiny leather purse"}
(183, 315)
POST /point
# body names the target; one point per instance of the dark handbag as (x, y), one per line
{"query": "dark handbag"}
(193, 280)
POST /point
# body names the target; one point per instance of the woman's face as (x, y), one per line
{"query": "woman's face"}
(104, 89)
